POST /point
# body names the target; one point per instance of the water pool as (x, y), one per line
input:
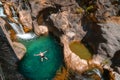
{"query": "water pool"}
(32, 67)
(79, 49)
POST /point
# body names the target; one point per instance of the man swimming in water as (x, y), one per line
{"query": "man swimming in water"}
(42, 55)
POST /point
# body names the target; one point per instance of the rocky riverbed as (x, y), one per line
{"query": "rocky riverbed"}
(95, 23)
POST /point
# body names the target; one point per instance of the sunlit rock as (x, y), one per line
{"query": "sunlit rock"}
(40, 29)
(110, 33)
(72, 60)
(38, 5)
(97, 27)
(12, 35)
(26, 29)
(117, 76)
(69, 23)
(70, 34)
(25, 18)
(20, 50)
(7, 10)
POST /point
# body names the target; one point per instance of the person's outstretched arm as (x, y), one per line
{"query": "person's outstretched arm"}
(36, 54)
(44, 52)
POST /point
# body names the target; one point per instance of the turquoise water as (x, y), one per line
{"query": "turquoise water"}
(32, 67)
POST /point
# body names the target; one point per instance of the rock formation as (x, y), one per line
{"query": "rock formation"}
(8, 57)
(25, 20)
(93, 22)
(69, 24)
(71, 59)
(40, 29)
(20, 49)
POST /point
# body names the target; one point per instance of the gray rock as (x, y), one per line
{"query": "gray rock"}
(104, 37)
(105, 7)
(111, 33)
(117, 76)
(69, 23)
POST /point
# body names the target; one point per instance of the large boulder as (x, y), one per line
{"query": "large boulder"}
(104, 37)
(25, 18)
(19, 49)
(7, 10)
(102, 26)
(40, 29)
(69, 24)
(39, 5)
(111, 33)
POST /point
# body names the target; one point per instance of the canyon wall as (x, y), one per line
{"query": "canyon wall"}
(93, 22)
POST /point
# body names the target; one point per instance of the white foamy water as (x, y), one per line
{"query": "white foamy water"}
(20, 32)
(26, 36)
(98, 72)
(17, 28)
(0, 3)
(2, 12)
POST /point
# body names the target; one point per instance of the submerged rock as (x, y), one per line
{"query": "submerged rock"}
(20, 50)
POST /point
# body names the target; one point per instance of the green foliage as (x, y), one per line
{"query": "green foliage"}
(62, 74)
(25, 0)
(79, 10)
(106, 61)
(89, 8)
